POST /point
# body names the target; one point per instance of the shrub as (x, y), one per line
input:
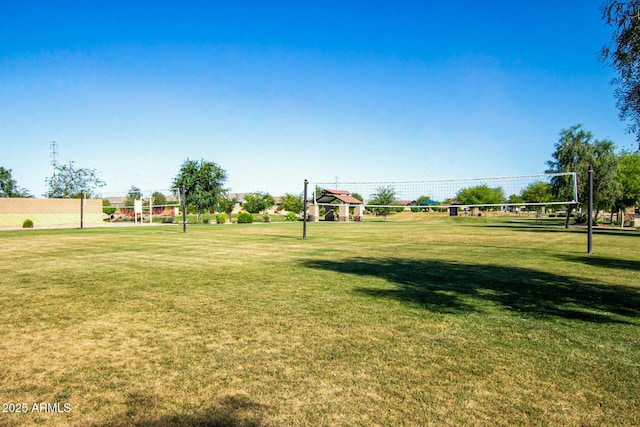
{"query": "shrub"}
(27, 223)
(221, 218)
(107, 208)
(205, 220)
(291, 216)
(245, 218)
(266, 218)
(168, 220)
(581, 219)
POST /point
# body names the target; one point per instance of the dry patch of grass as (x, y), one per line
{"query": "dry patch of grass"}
(446, 322)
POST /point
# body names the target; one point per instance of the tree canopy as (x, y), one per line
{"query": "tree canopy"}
(575, 151)
(623, 55)
(70, 181)
(159, 199)
(203, 181)
(258, 202)
(227, 203)
(133, 194)
(481, 195)
(385, 196)
(292, 203)
(537, 192)
(629, 178)
(9, 186)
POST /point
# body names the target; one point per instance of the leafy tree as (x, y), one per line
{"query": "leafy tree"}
(384, 196)
(107, 208)
(357, 196)
(317, 192)
(571, 155)
(159, 199)
(9, 186)
(133, 194)
(481, 195)
(515, 199)
(227, 203)
(203, 182)
(629, 179)
(575, 151)
(292, 203)
(537, 192)
(69, 181)
(623, 55)
(258, 202)
(606, 187)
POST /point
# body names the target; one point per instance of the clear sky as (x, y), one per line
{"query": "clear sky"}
(279, 91)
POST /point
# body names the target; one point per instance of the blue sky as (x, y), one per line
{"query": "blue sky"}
(279, 91)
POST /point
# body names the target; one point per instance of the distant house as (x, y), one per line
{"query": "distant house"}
(328, 197)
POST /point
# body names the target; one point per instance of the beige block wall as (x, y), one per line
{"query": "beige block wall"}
(47, 212)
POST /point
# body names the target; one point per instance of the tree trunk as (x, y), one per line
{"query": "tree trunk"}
(566, 222)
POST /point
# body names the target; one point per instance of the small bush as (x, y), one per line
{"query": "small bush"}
(291, 216)
(206, 220)
(266, 218)
(27, 223)
(581, 219)
(168, 220)
(245, 218)
(221, 218)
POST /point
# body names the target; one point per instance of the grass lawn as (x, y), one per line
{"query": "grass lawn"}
(438, 321)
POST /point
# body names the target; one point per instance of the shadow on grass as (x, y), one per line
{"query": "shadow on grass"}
(546, 226)
(602, 262)
(451, 287)
(230, 411)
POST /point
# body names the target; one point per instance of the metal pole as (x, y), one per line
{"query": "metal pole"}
(304, 213)
(184, 209)
(82, 209)
(590, 213)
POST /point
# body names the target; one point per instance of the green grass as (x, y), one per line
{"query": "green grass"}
(444, 321)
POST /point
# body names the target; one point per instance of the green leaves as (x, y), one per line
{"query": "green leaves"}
(575, 151)
(69, 181)
(292, 203)
(384, 197)
(203, 182)
(8, 185)
(623, 55)
(258, 202)
(481, 195)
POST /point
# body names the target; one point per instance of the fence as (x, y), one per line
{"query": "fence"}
(49, 212)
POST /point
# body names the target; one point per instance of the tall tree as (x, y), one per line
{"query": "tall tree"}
(159, 199)
(537, 192)
(69, 181)
(481, 195)
(203, 182)
(385, 196)
(629, 178)
(292, 203)
(258, 202)
(575, 151)
(623, 55)
(133, 194)
(227, 204)
(9, 186)
(606, 187)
